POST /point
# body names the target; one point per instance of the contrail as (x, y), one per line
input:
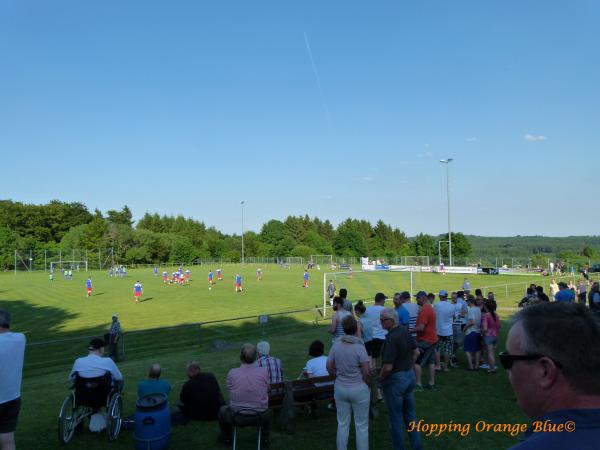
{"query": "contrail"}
(317, 78)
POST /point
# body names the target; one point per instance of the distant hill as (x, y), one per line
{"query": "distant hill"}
(527, 246)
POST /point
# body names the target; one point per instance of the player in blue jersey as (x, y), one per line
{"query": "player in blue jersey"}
(137, 291)
(219, 275)
(88, 285)
(210, 277)
(155, 271)
(165, 277)
(305, 279)
(238, 283)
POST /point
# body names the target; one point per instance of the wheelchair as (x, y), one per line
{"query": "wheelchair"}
(87, 396)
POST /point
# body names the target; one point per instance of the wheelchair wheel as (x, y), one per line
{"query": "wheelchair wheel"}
(67, 419)
(115, 410)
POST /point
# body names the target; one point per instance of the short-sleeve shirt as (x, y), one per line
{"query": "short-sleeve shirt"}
(88, 283)
(565, 295)
(398, 349)
(403, 315)
(373, 313)
(348, 358)
(474, 314)
(153, 386)
(427, 317)
(444, 316)
(317, 367)
(12, 353)
(92, 366)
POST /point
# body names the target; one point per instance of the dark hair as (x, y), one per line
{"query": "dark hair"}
(349, 324)
(471, 298)
(478, 292)
(460, 294)
(490, 306)
(343, 293)
(339, 300)
(564, 332)
(248, 353)
(360, 307)
(316, 349)
(4, 319)
(530, 291)
(540, 289)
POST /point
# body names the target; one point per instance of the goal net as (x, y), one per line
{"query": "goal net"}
(364, 284)
(75, 266)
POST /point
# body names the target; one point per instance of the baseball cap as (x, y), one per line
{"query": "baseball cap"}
(380, 296)
(443, 293)
(421, 294)
(405, 294)
(96, 344)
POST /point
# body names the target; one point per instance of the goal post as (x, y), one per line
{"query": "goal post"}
(365, 283)
(71, 265)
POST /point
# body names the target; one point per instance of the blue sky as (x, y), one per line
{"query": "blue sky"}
(335, 109)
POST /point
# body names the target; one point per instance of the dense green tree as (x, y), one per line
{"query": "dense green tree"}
(424, 245)
(461, 246)
(123, 217)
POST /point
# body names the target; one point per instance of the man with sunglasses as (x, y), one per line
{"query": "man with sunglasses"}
(554, 372)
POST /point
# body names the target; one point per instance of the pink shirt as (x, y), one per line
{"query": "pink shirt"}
(490, 326)
(248, 387)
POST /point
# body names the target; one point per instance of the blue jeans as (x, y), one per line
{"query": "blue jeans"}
(398, 392)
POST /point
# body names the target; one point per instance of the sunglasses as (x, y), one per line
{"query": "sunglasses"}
(507, 360)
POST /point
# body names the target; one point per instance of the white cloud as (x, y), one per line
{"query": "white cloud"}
(472, 139)
(534, 138)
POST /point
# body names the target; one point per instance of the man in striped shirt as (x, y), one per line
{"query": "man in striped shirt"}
(272, 364)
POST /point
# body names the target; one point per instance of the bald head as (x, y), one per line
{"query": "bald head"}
(154, 371)
(193, 369)
(248, 354)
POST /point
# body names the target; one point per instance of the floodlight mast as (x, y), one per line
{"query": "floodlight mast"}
(242, 204)
(447, 162)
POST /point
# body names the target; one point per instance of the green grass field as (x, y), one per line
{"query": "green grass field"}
(59, 311)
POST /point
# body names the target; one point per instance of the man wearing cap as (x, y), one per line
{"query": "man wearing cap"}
(12, 352)
(94, 365)
(403, 315)
(426, 340)
(444, 316)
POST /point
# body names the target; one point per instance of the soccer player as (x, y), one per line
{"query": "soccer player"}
(259, 274)
(137, 291)
(165, 277)
(331, 291)
(210, 277)
(305, 279)
(238, 283)
(219, 275)
(155, 271)
(175, 277)
(88, 284)
(187, 275)
(350, 272)
(51, 276)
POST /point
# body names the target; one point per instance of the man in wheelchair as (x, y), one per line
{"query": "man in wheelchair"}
(97, 386)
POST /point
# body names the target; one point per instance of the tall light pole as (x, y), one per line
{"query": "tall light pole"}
(447, 162)
(242, 203)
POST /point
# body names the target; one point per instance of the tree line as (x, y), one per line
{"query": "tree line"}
(161, 238)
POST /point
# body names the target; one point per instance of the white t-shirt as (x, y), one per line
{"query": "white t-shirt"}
(444, 316)
(474, 315)
(317, 367)
(373, 313)
(92, 366)
(12, 352)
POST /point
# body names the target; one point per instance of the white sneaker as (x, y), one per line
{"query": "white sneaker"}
(484, 366)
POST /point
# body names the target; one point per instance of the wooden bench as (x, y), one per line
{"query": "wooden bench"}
(286, 396)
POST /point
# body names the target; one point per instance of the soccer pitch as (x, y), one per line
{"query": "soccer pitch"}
(58, 310)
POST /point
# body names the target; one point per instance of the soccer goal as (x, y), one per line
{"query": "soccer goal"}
(364, 284)
(322, 259)
(69, 265)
